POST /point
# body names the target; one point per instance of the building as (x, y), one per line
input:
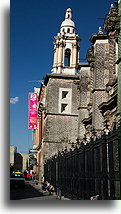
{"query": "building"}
(25, 161)
(58, 105)
(61, 93)
(18, 161)
(99, 85)
(13, 150)
(79, 101)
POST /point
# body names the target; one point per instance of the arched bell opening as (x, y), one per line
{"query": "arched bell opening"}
(67, 57)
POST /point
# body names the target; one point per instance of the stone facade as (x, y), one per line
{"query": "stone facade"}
(61, 117)
(81, 100)
(102, 111)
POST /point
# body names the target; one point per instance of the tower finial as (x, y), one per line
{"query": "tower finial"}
(112, 6)
(100, 30)
(68, 14)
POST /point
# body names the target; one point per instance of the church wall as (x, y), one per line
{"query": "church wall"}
(101, 78)
(60, 128)
(76, 106)
(61, 132)
(52, 95)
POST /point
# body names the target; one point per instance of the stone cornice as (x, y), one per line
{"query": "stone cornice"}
(95, 37)
(98, 89)
(59, 114)
(60, 76)
(109, 105)
(82, 107)
(83, 64)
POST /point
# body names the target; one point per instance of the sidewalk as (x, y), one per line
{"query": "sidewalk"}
(53, 195)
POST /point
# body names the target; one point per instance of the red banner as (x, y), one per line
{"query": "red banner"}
(33, 111)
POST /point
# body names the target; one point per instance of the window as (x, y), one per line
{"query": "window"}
(63, 107)
(67, 57)
(65, 100)
(68, 30)
(64, 94)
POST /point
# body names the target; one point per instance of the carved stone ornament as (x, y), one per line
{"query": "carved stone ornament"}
(90, 54)
(112, 21)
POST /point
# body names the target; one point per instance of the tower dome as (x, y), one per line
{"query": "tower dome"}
(68, 26)
(67, 23)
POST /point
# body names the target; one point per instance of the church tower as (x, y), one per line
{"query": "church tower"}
(62, 92)
(66, 47)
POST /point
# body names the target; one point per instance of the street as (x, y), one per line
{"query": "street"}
(32, 191)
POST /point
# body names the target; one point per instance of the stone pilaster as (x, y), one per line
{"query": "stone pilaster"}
(55, 56)
(99, 78)
(84, 100)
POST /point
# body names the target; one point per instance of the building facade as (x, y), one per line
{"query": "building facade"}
(62, 93)
(18, 161)
(13, 150)
(99, 86)
(79, 101)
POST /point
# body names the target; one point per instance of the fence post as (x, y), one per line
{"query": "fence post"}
(92, 167)
(111, 165)
(105, 167)
(83, 172)
(71, 157)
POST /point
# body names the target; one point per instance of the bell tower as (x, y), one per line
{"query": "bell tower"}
(66, 47)
(62, 91)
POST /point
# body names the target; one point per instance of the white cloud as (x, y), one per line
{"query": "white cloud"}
(14, 100)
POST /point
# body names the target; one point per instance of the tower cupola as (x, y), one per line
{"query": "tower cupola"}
(66, 49)
(68, 26)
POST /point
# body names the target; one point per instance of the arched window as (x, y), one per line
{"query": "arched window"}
(68, 30)
(67, 57)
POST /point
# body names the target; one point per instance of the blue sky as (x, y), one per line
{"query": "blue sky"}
(33, 25)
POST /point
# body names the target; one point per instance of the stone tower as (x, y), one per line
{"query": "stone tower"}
(62, 93)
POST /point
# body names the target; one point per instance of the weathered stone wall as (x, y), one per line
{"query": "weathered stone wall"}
(52, 94)
(84, 99)
(60, 129)
(97, 118)
(61, 132)
(101, 78)
(101, 65)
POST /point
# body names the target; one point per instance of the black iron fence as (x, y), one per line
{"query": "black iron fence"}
(87, 170)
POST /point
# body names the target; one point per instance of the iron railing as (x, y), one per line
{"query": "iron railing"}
(87, 170)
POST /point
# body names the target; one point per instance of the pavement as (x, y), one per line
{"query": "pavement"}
(53, 195)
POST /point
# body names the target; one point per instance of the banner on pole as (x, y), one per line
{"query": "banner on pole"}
(32, 110)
